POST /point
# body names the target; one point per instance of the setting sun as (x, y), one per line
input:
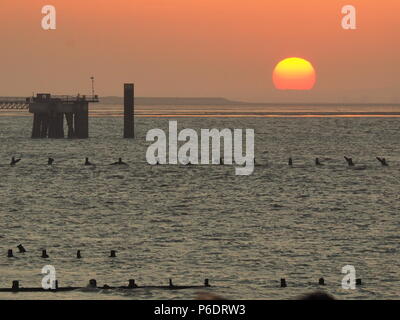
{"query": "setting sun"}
(294, 74)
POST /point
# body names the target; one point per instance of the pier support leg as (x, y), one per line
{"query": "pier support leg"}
(60, 125)
(44, 125)
(52, 126)
(56, 125)
(48, 125)
(77, 126)
(36, 126)
(70, 123)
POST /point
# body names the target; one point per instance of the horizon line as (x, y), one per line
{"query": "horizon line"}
(228, 101)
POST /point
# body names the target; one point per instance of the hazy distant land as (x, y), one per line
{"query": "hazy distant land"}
(149, 101)
(218, 101)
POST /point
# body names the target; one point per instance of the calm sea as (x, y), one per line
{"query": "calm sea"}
(244, 233)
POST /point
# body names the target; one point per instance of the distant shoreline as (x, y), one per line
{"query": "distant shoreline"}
(193, 101)
(219, 101)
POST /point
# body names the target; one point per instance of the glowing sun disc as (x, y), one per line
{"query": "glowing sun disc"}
(294, 74)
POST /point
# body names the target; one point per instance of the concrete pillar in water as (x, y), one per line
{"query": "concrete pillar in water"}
(81, 120)
(61, 125)
(44, 125)
(129, 116)
(52, 132)
(58, 125)
(55, 122)
(77, 125)
(85, 121)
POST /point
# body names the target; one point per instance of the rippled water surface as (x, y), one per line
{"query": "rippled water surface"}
(191, 223)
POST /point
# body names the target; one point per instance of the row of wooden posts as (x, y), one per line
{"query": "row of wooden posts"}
(21, 249)
(93, 283)
(318, 162)
(131, 285)
(15, 287)
(321, 282)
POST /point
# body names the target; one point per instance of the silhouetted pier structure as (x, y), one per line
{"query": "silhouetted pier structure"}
(49, 112)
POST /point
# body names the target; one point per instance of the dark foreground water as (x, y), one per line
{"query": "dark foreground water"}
(191, 223)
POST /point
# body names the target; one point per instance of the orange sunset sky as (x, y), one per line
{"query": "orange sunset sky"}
(201, 48)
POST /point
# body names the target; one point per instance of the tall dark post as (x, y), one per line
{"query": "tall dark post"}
(129, 130)
(85, 120)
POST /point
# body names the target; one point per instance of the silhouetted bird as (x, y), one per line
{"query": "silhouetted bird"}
(317, 162)
(349, 161)
(119, 162)
(21, 248)
(87, 162)
(14, 161)
(290, 162)
(50, 161)
(382, 161)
